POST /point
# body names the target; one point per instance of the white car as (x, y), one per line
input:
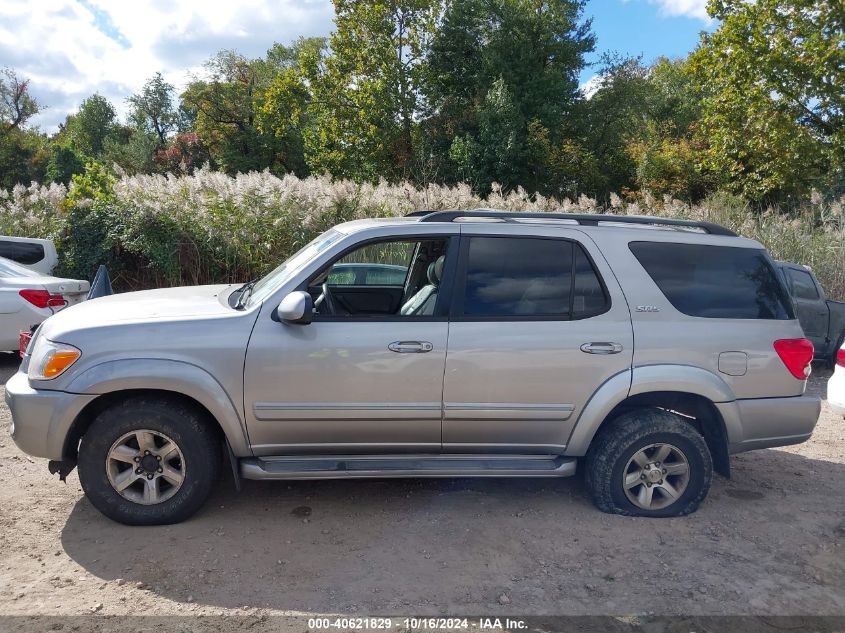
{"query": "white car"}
(836, 384)
(35, 253)
(27, 297)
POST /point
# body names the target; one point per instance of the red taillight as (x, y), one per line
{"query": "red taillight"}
(43, 299)
(840, 357)
(796, 354)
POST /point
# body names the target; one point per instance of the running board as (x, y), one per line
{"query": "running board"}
(357, 466)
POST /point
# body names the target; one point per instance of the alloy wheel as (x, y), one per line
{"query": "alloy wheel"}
(145, 467)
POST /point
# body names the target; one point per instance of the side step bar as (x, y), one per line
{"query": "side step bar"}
(358, 466)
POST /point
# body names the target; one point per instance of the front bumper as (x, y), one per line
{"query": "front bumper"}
(765, 422)
(41, 419)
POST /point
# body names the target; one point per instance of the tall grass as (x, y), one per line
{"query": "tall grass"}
(156, 230)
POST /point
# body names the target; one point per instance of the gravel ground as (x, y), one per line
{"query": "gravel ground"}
(769, 541)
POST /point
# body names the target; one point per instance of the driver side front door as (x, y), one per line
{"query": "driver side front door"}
(356, 382)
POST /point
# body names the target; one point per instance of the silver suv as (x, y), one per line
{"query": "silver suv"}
(511, 344)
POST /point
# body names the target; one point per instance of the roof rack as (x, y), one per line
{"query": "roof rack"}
(584, 219)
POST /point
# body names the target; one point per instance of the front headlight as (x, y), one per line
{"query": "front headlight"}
(50, 359)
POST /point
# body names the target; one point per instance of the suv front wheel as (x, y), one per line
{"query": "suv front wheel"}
(149, 461)
(648, 462)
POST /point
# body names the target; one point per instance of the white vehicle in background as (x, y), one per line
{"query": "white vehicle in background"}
(836, 384)
(28, 296)
(34, 253)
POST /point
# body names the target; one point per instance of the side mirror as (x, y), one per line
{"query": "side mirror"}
(297, 307)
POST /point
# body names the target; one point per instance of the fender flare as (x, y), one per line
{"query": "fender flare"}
(647, 379)
(168, 375)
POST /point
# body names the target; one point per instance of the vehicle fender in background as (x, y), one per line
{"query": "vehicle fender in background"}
(648, 379)
(168, 375)
(101, 286)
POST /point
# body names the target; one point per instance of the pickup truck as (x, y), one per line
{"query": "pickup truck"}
(822, 319)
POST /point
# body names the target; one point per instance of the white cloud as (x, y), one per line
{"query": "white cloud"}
(687, 8)
(591, 86)
(73, 48)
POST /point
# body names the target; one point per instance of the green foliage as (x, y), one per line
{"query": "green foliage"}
(365, 89)
(17, 106)
(669, 166)
(773, 76)
(88, 129)
(64, 163)
(522, 55)
(96, 184)
(152, 111)
(226, 107)
(23, 157)
(134, 151)
(566, 168)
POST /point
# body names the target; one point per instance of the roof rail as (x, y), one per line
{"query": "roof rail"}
(585, 219)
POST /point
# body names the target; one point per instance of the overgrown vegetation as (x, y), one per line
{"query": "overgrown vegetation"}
(208, 227)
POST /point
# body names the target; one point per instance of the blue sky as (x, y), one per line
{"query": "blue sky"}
(648, 28)
(70, 49)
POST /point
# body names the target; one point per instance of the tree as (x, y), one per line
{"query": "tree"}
(88, 129)
(17, 106)
(132, 150)
(153, 111)
(773, 76)
(64, 163)
(22, 151)
(364, 94)
(529, 50)
(612, 115)
(662, 139)
(230, 116)
(24, 154)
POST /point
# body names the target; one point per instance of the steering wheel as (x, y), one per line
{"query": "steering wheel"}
(328, 300)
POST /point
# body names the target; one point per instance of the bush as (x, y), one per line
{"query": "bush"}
(162, 230)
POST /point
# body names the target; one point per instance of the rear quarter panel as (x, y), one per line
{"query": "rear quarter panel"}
(667, 336)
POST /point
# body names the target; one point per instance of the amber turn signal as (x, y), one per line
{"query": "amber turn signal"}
(59, 362)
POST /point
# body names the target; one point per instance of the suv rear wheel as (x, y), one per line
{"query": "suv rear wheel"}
(149, 461)
(648, 462)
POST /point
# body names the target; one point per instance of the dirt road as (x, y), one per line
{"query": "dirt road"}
(771, 540)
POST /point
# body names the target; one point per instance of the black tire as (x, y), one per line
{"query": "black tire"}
(616, 444)
(191, 431)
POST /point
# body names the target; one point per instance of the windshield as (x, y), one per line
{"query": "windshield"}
(268, 284)
(8, 268)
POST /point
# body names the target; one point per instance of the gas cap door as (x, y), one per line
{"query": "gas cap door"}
(733, 363)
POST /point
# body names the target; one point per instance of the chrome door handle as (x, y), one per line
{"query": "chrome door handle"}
(410, 347)
(601, 348)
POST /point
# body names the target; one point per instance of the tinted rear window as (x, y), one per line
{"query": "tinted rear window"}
(22, 252)
(718, 282)
(802, 284)
(530, 278)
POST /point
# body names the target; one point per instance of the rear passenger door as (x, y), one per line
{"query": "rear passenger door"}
(538, 323)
